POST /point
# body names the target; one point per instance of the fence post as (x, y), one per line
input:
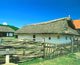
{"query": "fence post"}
(43, 44)
(1, 40)
(72, 45)
(24, 48)
(78, 45)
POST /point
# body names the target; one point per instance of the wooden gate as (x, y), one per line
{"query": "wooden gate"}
(53, 50)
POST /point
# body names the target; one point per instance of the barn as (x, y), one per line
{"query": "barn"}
(59, 31)
(6, 31)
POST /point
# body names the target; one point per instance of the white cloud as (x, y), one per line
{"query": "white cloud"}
(4, 23)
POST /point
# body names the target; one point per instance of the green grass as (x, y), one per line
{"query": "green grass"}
(69, 59)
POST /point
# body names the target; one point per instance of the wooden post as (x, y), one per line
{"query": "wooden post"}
(1, 40)
(7, 57)
(72, 45)
(24, 48)
(61, 51)
(43, 44)
(78, 45)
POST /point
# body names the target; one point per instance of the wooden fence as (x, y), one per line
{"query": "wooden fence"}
(45, 50)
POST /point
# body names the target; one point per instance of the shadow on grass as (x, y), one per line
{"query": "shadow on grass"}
(12, 60)
(37, 60)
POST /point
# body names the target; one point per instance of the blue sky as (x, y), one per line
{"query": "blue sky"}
(24, 12)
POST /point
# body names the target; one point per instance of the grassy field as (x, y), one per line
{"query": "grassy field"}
(70, 59)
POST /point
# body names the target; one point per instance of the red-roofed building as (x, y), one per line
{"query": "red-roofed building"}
(76, 23)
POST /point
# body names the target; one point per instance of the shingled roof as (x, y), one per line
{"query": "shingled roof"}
(61, 26)
(6, 29)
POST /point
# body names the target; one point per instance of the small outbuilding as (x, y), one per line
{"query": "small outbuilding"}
(6, 31)
(59, 31)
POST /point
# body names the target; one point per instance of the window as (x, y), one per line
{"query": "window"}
(66, 38)
(49, 38)
(34, 37)
(10, 34)
(58, 37)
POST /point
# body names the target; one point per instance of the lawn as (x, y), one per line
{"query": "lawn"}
(70, 59)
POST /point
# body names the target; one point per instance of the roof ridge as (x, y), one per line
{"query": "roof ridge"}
(49, 21)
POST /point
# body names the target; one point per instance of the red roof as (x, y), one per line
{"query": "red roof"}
(76, 24)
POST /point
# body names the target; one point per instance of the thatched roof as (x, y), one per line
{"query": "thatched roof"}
(6, 29)
(61, 26)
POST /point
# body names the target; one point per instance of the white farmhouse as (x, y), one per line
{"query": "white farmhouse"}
(59, 31)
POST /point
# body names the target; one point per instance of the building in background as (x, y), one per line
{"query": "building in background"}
(6, 31)
(77, 25)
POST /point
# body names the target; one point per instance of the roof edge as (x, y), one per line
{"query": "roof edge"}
(68, 18)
